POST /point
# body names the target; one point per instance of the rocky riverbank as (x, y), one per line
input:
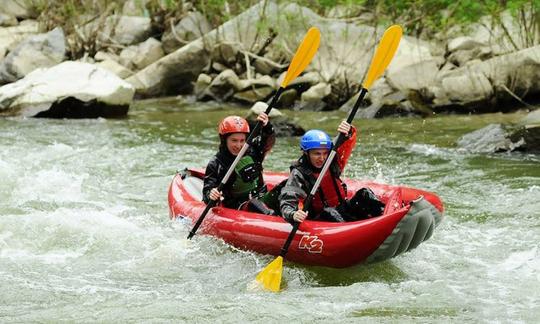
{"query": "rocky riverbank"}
(488, 67)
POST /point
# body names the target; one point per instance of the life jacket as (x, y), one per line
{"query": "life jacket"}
(248, 179)
(331, 192)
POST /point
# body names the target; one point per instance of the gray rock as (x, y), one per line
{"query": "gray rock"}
(490, 139)
(18, 9)
(287, 98)
(189, 28)
(115, 68)
(42, 50)
(225, 53)
(69, 89)
(123, 30)
(203, 81)
(10, 37)
(282, 126)
(414, 76)
(224, 85)
(141, 55)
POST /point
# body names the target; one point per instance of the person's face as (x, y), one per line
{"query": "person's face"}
(235, 142)
(317, 157)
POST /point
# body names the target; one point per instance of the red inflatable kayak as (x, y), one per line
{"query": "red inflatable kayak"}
(409, 218)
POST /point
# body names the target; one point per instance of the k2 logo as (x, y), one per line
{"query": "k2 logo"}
(311, 243)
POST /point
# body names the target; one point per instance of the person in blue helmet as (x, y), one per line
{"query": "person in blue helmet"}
(330, 203)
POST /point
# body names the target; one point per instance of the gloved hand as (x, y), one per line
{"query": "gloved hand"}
(299, 216)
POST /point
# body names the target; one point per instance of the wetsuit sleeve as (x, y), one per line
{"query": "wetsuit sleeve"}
(211, 178)
(344, 151)
(291, 194)
(263, 143)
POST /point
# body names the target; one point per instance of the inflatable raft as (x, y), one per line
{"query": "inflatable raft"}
(410, 217)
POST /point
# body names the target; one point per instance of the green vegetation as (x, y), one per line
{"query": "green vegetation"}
(421, 18)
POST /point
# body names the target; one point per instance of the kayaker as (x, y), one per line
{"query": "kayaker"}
(246, 182)
(330, 203)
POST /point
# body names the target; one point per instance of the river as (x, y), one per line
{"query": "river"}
(85, 234)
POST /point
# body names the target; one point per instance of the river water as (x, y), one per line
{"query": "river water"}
(85, 234)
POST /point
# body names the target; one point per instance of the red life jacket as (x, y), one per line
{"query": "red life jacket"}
(330, 193)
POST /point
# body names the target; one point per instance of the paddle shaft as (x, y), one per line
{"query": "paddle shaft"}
(337, 142)
(249, 140)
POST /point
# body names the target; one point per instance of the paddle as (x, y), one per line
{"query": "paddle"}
(270, 277)
(303, 56)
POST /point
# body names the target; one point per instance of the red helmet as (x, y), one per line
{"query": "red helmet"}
(233, 124)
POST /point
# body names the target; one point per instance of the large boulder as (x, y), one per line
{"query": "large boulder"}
(189, 28)
(503, 138)
(481, 86)
(490, 139)
(37, 51)
(68, 90)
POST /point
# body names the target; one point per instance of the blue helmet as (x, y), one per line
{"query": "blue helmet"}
(315, 139)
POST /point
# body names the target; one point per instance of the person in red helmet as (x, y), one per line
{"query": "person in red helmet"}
(330, 203)
(246, 182)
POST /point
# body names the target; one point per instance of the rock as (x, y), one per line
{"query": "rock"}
(7, 20)
(260, 82)
(224, 53)
(317, 92)
(10, 37)
(532, 118)
(414, 76)
(287, 98)
(312, 99)
(43, 50)
(123, 30)
(490, 139)
(127, 55)
(259, 107)
(70, 89)
(282, 126)
(527, 138)
(218, 67)
(263, 67)
(18, 9)
(463, 57)
(141, 55)
(224, 85)
(463, 43)
(470, 89)
(253, 95)
(189, 28)
(115, 68)
(103, 56)
(203, 81)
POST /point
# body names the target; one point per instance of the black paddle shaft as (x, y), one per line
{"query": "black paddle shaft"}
(254, 133)
(337, 142)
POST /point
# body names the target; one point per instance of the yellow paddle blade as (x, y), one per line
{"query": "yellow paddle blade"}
(270, 277)
(384, 54)
(304, 54)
